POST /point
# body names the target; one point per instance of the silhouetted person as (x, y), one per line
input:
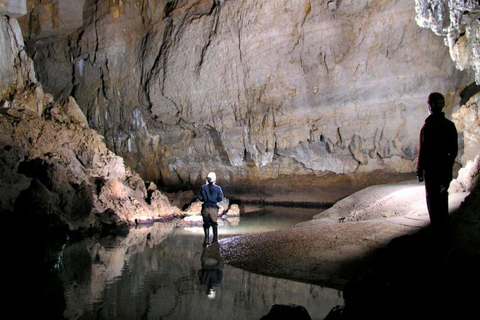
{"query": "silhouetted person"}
(210, 194)
(211, 274)
(437, 151)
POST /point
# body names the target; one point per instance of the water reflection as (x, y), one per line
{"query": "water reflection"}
(211, 273)
(163, 272)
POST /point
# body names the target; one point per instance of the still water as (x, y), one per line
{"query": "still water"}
(164, 272)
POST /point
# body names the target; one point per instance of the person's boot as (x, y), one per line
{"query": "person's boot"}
(215, 234)
(206, 241)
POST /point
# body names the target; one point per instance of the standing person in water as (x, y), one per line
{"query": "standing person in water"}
(438, 148)
(210, 194)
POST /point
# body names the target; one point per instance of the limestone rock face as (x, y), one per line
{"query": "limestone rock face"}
(254, 90)
(73, 174)
(16, 66)
(467, 121)
(54, 169)
(457, 21)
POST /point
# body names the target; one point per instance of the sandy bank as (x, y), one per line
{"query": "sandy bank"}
(332, 248)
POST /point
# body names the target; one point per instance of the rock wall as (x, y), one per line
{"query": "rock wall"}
(52, 164)
(54, 169)
(468, 123)
(257, 91)
(458, 23)
(16, 67)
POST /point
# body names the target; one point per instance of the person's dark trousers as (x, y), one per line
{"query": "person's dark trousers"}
(215, 233)
(437, 201)
(207, 222)
(206, 240)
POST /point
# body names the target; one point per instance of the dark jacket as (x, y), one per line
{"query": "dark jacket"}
(210, 195)
(438, 147)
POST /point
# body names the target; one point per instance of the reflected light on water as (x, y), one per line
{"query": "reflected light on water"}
(164, 272)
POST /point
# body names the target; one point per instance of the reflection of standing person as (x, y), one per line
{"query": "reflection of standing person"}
(211, 274)
(210, 194)
(437, 151)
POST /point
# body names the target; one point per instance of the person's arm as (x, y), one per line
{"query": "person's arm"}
(420, 157)
(220, 195)
(200, 195)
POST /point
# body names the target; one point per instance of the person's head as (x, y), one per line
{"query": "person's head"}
(435, 102)
(211, 177)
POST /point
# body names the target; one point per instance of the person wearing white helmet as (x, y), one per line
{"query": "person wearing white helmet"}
(210, 194)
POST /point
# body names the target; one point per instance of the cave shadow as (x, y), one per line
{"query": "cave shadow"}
(421, 275)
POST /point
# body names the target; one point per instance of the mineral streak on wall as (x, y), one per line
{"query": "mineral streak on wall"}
(255, 90)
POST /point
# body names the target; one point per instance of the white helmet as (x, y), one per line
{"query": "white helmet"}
(211, 177)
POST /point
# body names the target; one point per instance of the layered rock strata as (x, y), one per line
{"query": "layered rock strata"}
(257, 91)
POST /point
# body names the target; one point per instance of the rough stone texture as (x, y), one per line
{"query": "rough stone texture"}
(82, 182)
(256, 91)
(49, 18)
(16, 67)
(53, 167)
(457, 21)
(467, 176)
(467, 121)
